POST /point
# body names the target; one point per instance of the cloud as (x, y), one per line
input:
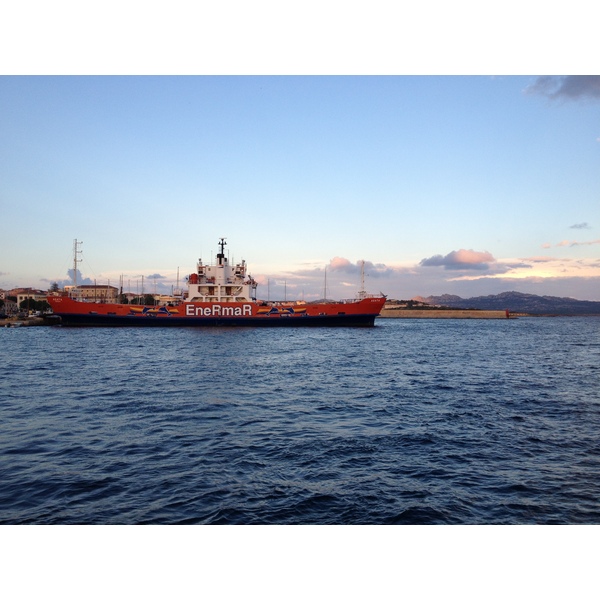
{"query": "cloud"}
(580, 226)
(460, 260)
(571, 87)
(338, 263)
(585, 243)
(540, 259)
(571, 244)
(506, 267)
(81, 280)
(343, 265)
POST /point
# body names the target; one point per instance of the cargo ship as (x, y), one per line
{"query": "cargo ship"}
(219, 295)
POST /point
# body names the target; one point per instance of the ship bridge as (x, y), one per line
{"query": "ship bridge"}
(221, 282)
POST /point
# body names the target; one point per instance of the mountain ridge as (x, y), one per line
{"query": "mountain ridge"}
(518, 302)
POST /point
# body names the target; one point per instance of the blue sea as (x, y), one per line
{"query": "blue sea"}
(409, 422)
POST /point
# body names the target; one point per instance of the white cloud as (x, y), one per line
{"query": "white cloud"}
(460, 260)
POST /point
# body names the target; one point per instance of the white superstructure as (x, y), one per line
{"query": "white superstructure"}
(221, 282)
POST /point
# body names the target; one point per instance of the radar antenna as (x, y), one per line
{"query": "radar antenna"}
(221, 255)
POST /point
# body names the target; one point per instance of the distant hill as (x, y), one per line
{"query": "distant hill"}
(518, 302)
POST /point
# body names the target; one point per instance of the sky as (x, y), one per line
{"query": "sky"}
(468, 185)
(420, 141)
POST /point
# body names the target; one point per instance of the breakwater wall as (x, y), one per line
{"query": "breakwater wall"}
(403, 313)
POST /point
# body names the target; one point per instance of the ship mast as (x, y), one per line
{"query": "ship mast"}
(362, 293)
(177, 291)
(362, 276)
(221, 255)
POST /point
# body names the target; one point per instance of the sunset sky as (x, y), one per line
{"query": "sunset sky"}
(469, 185)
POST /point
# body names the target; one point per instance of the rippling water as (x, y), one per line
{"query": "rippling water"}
(410, 422)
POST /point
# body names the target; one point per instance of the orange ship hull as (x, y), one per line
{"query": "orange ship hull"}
(356, 313)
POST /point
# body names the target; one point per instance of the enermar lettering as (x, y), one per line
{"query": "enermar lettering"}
(218, 310)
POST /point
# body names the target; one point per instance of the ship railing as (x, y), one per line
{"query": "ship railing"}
(361, 296)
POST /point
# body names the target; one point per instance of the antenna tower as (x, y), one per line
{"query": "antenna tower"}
(76, 251)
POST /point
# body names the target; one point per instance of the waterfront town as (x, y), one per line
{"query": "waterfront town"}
(29, 302)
